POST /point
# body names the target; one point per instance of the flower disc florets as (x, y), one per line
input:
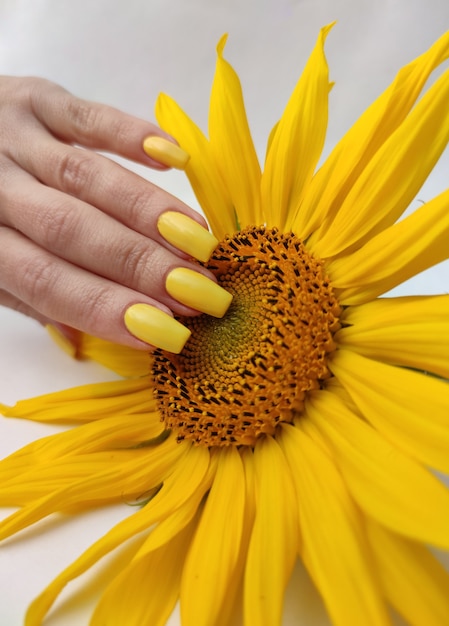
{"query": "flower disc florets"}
(241, 375)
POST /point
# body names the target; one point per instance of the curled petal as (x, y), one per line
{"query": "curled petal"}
(296, 145)
(231, 142)
(414, 244)
(393, 176)
(86, 402)
(353, 153)
(188, 474)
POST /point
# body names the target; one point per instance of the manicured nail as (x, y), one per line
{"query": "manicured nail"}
(166, 152)
(61, 340)
(153, 326)
(198, 291)
(187, 235)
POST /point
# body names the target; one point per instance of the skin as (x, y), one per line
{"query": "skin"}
(78, 236)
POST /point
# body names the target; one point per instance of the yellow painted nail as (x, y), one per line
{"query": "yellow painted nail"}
(166, 152)
(187, 235)
(156, 327)
(197, 291)
(61, 340)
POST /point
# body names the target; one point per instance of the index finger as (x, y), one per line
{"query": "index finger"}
(95, 125)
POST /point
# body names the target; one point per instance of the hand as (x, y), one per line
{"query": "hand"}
(82, 239)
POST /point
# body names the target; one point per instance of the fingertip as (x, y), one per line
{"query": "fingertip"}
(186, 234)
(155, 327)
(166, 152)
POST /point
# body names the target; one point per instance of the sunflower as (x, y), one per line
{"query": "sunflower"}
(312, 421)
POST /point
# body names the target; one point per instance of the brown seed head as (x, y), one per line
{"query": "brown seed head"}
(241, 375)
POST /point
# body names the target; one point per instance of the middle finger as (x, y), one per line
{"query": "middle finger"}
(111, 188)
(92, 240)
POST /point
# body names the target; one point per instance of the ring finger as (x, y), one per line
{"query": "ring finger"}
(60, 291)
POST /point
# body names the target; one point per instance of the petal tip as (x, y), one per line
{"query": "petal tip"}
(221, 44)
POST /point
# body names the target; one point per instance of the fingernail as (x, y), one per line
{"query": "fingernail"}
(166, 152)
(187, 235)
(198, 291)
(61, 340)
(153, 326)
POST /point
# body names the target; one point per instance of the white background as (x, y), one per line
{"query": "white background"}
(123, 53)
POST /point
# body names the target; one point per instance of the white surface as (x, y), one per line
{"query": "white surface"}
(125, 52)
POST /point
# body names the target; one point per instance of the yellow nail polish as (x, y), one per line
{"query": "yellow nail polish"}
(61, 340)
(187, 235)
(197, 291)
(166, 152)
(156, 327)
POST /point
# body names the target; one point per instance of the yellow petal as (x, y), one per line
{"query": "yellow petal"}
(415, 583)
(231, 610)
(146, 591)
(107, 434)
(138, 473)
(297, 143)
(387, 485)
(188, 473)
(270, 140)
(405, 249)
(43, 460)
(61, 474)
(120, 359)
(335, 549)
(86, 402)
(411, 331)
(171, 525)
(409, 408)
(393, 176)
(274, 540)
(214, 553)
(352, 154)
(231, 142)
(201, 169)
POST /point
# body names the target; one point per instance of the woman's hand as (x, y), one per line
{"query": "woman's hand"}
(86, 243)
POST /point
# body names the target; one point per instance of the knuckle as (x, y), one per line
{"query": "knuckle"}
(85, 116)
(120, 128)
(95, 305)
(74, 171)
(36, 280)
(135, 262)
(58, 226)
(92, 119)
(138, 202)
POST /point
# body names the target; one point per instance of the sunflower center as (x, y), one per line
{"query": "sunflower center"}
(241, 375)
